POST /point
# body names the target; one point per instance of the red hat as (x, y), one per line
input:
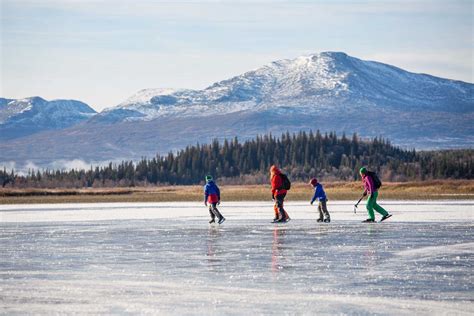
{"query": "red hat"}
(313, 181)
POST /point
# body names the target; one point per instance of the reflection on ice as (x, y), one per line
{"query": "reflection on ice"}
(160, 259)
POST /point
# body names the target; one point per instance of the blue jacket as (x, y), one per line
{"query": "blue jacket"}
(212, 194)
(319, 193)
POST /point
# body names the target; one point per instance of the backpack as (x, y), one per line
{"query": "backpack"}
(375, 179)
(286, 183)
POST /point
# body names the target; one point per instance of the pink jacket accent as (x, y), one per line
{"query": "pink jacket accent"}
(368, 184)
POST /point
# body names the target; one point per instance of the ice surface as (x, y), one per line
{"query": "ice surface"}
(164, 258)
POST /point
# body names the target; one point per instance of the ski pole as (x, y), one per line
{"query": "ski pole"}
(355, 206)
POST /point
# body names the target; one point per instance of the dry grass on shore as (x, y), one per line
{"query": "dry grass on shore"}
(427, 190)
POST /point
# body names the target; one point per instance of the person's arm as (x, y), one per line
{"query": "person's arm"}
(274, 187)
(364, 184)
(315, 196)
(370, 186)
(277, 184)
(218, 194)
(206, 194)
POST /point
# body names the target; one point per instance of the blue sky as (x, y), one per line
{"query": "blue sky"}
(103, 51)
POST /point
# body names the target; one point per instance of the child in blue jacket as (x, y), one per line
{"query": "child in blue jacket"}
(212, 195)
(320, 195)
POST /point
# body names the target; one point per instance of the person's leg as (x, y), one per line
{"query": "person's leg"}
(216, 211)
(221, 218)
(370, 207)
(287, 217)
(280, 200)
(327, 218)
(377, 207)
(320, 209)
(213, 217)
(275, 209)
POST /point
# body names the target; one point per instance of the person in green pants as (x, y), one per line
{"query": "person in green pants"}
(371, 189)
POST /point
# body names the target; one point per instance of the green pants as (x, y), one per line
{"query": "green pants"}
(372, 205)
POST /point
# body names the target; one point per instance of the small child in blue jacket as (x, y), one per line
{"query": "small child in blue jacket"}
(212, 195)
(320, 195)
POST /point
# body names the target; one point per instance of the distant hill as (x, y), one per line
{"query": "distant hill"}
(28, 116)
(313, 84)
(329, 91)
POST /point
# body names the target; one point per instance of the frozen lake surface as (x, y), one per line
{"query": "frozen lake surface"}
(164, 258)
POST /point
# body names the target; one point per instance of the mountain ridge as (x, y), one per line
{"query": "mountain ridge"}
(23, 117)
(327, 91)
(324, 79)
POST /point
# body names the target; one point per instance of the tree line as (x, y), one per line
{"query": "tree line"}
(301, 156)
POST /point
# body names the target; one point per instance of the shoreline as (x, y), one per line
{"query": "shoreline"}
(421, 190)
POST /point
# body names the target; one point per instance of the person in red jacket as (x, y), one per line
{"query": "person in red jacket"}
(278, 195)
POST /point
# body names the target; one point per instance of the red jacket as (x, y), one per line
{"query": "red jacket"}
(277, 183)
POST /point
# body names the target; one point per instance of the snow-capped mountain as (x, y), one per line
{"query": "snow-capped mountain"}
(31, 115)
(326, 91)
(307, 84)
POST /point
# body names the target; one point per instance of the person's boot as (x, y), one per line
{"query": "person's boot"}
(319, 220)
(385, 217)
(275, 219)
(369, 220)
(213, 217)
(221, 219)
(327, 220)
(282, 218)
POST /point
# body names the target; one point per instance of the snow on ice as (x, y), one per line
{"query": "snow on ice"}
(164, 258)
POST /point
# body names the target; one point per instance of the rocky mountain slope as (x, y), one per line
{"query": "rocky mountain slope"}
(23, 117)
(307, 84)
(327, 91)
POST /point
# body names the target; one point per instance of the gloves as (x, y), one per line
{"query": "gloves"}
(311, 202)
(219, 202)
(205, 203)
(365, 193)
(273, 198)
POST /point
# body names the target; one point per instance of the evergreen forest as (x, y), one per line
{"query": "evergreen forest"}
(301, 156)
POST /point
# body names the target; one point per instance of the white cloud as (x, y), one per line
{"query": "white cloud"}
(70, 164)
(62, 164)
(8, 165)
(30, 166)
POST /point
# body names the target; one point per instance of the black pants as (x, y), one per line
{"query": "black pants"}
(323, 210)
(213, 211)
(280, 198)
